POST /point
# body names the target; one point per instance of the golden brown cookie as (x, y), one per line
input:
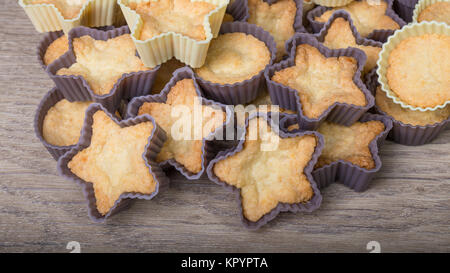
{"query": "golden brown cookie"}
(367, 16)
(180, 16)
(277, 19)
(113, 161)
(185, 149)
(102, 63)
(321, 81)
(340, 35)
(234, 57)
(418, 70)
(56, 49)
(68, 8)
(439, 12)
(268, 177)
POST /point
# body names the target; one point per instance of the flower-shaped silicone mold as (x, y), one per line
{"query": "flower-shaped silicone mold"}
(53, 15)
(77, 88)
(390, 18)
(162, 47)
(339, 112)
(269, 179)
(188, 154)
(115, 161)
(351, 175)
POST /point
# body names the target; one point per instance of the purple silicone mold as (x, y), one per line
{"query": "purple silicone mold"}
(245, 91)
(310, 206)
(407, 134)
(405, 8)
(155, 143)
(50, 99)
(378, 34)
(350, 175)
(76, 88)
(48, 38)
(208, 148)
(239, 10)
(288, 98)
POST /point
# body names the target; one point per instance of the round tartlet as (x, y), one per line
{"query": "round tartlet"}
(234, 57)
(418, 69)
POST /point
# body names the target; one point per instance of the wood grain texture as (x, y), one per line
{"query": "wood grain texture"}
(407, 207)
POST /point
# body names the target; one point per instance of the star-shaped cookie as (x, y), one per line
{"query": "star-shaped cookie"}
(339, 32)
(321, 82)
(69, 8)
(116, 157)
(187, 118)
(270, 169)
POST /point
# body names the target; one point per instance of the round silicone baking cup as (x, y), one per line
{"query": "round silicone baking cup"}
(421, 5)
(245, 91)
(76, 88)
(380, 35)
(94, 13)
(309, 206)
(208, 149)
(410, 30)
(408, 134)
(239, 10)
(350, 175)
(405, 9)
(287, 97)
(163, 47)
(155, 143)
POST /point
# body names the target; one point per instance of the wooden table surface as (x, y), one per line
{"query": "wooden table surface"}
(407, 207)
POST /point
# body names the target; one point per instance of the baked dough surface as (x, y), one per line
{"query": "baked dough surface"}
(267, 178)
(366, 15)
(114, 161)
(68, 8)
(408, 116)
(321, 81)
(234, 57)
(340, 35)
(102, 63)
(56, 49)
(63, 122)
(277, 19)
(179, 16)
(187, 149)
(439, 12)
(419, 68)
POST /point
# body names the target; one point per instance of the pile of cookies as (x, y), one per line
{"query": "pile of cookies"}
(272, 99)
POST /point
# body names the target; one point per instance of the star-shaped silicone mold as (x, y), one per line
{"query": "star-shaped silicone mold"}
(320, 83)
(53, 15)
(339, 32)
(270, 171)
(191, 122)
(350, 154)
(115, 160)
(164, 29)
(101, 66)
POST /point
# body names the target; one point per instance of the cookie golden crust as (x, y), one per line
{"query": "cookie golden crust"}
(267, 178)
(366, 15)
(186, 146)
(234, 57)
(418, 70)
(277, 19)
(349, 143)
(63, 122)
(68, 8)
(179, 16)
(439, 12)
(164, 74)
(340, 35)
(114, 162)
(56, 49)
(102, 63)
(407, 116)
(321, 81)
